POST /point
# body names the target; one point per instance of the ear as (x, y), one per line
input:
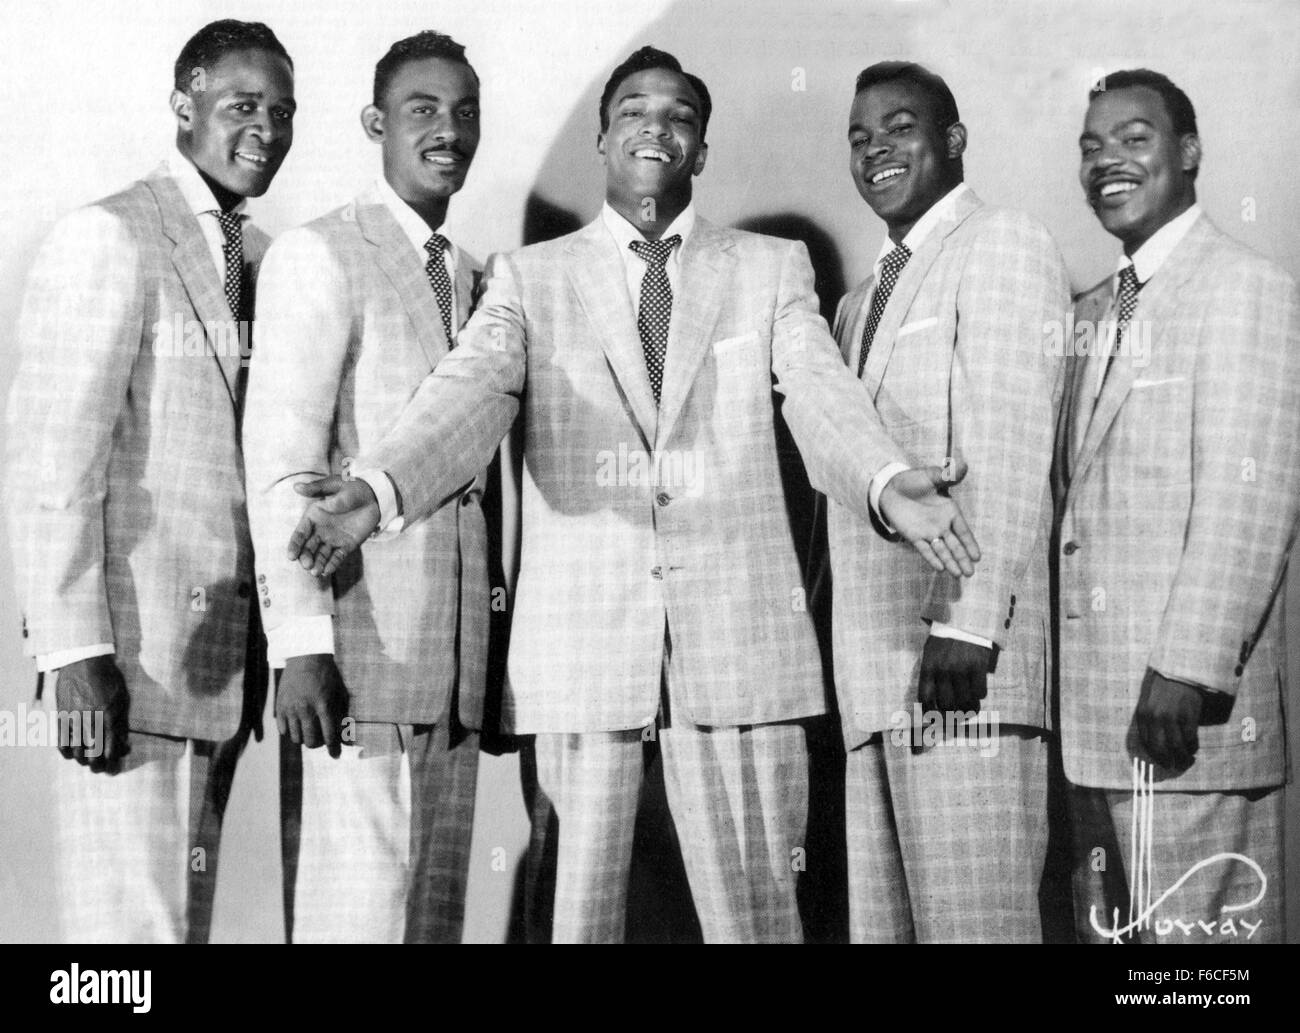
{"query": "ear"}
(182, 105)
(372, 121)
(700, 157)
(600, 144)
(1190, 145)
(955, 138)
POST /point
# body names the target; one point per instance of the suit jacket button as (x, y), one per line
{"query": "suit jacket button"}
(657, 573)
(1070, 548)
(266, 602)
(1007, 623)
(1237, 670)
(1013, 602)
(663, 498)
(465, 500)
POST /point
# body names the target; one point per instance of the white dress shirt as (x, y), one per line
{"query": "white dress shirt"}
(634, 266)
(201, 202)
(304, 636)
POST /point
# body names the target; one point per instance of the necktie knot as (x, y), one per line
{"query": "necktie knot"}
(895, 260)
(231, 225)
(436, 245)
(655, 252)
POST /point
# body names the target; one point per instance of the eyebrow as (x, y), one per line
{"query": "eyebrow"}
(685, 101)
(421, 95)
(259, 95)
(857, 127)
(1087, 134)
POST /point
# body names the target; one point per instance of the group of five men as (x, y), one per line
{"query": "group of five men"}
(986, 495)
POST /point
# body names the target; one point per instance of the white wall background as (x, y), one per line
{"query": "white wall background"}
(84, 89)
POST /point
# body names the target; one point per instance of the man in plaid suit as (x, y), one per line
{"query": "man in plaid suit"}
(386, 658)
(660, 597)
(126, 497)
(943, 683)
(1178, 489)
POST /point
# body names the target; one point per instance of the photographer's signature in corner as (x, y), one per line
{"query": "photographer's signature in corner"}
(1166, 926)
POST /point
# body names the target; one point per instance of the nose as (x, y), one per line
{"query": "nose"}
(655, 126)
(267, 129)
(446, 130)
(878, 147)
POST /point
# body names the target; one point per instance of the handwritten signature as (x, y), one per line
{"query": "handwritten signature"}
(1165, 926)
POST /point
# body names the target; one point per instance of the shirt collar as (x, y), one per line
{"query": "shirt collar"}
(197, 194)
(925, 225)
(624, 232)
(412, 225)
(1148, 259)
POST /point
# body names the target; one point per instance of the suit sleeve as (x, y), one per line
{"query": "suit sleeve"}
(1245, 480)
(79, 334)
(1005, 391)
(451, 427)
(303, 332)
(828, 410)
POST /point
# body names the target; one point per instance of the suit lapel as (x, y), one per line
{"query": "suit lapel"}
(597, 272)
(900, 301)
(701, 288)
(402, 268)
(1156, 306)
(193, 263)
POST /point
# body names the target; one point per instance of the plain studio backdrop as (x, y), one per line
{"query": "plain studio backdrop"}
(85, 90)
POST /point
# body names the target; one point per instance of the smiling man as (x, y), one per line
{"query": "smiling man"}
(947, 832)
(651, 611)
(126, 497)
(383, 662)
(1177, 493)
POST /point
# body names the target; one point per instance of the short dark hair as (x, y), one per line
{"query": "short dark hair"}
(416, 48)
(943, 103)
(643, 60)
(217, 39)
(1181, 112)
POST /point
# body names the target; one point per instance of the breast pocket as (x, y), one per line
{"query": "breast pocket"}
(915, 383)
(1155, 430)
(742, 378)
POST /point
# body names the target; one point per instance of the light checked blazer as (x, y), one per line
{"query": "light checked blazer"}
(957, 369)
(349, 327)
(1178, 513)
(125, 487)
(604, 563)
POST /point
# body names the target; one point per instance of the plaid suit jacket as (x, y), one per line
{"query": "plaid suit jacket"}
(125, 483)
(348, 328)
(633, 513)
(957, 369)
(1177, 513)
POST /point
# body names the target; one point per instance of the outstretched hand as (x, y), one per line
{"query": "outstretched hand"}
(916, 504)
(344, 515)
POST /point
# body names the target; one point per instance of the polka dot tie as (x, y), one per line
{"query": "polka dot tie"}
(656, 305)
(436, 268)
(1128, 299)
(890, 269)
(232, 230)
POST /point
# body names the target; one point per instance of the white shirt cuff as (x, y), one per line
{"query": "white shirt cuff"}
(62, 657)
(878, 483)
(390, 521)
(940, 630)
(299, 636)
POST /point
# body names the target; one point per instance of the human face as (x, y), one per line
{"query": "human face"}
(236, 120)
(1133, 167)
(653, 145)
(902, 161)
(428, 128)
